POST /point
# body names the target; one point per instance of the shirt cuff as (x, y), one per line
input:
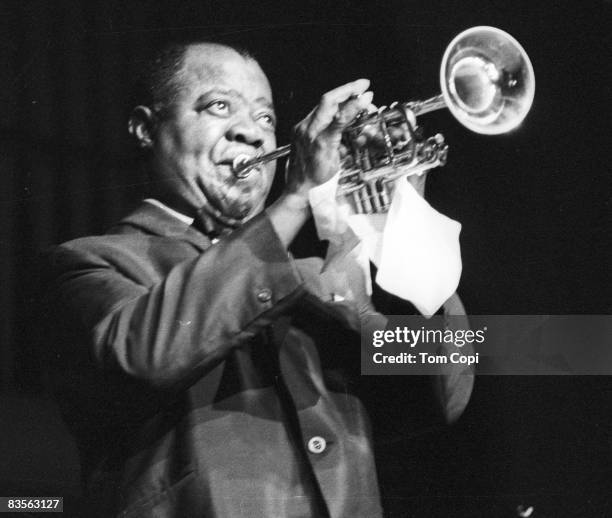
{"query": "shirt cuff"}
(330, 214)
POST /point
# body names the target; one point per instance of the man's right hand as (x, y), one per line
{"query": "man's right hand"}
(315, 156)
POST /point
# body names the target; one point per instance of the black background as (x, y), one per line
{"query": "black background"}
(535, 207)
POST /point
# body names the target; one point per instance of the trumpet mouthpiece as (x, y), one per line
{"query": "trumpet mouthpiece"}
(238, 166)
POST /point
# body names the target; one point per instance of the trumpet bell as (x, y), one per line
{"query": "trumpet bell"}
(487, 80)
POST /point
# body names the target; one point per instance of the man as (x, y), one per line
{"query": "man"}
(193, 352)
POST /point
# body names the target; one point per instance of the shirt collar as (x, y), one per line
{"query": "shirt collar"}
(181, 217)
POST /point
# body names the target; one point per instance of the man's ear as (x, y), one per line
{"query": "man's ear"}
(141, 125)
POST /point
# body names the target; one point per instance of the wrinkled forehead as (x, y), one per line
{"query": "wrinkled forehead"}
(217, 66)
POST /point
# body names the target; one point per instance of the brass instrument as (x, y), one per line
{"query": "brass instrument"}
(487, 83)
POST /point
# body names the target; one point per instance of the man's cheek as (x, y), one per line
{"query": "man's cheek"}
(268, 178)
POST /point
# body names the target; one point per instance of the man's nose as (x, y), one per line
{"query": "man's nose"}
(246, 131)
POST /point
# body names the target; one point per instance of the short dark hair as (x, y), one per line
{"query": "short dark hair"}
(156, 85)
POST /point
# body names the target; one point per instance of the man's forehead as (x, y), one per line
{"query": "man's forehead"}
(214, 63)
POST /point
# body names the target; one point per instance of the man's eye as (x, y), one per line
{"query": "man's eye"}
(218, 107)
(267, 120)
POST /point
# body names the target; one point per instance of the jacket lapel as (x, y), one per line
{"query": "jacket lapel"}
(150, 219)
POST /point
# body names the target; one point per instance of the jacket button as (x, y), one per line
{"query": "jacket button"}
(264, 295)
(317, 444)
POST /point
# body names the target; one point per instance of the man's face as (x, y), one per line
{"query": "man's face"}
(223, 109)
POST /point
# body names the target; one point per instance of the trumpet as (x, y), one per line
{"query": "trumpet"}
(487, 83)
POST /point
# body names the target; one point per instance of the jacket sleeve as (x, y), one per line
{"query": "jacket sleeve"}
(188, 321)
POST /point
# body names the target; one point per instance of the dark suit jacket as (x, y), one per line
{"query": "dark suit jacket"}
(191, 375)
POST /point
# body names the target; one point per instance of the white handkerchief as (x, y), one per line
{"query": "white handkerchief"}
(415, 248)
(369, 228)
(420, 257)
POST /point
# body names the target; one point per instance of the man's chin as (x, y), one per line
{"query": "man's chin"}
(246, 214)
(252, 214)
(243, 211)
